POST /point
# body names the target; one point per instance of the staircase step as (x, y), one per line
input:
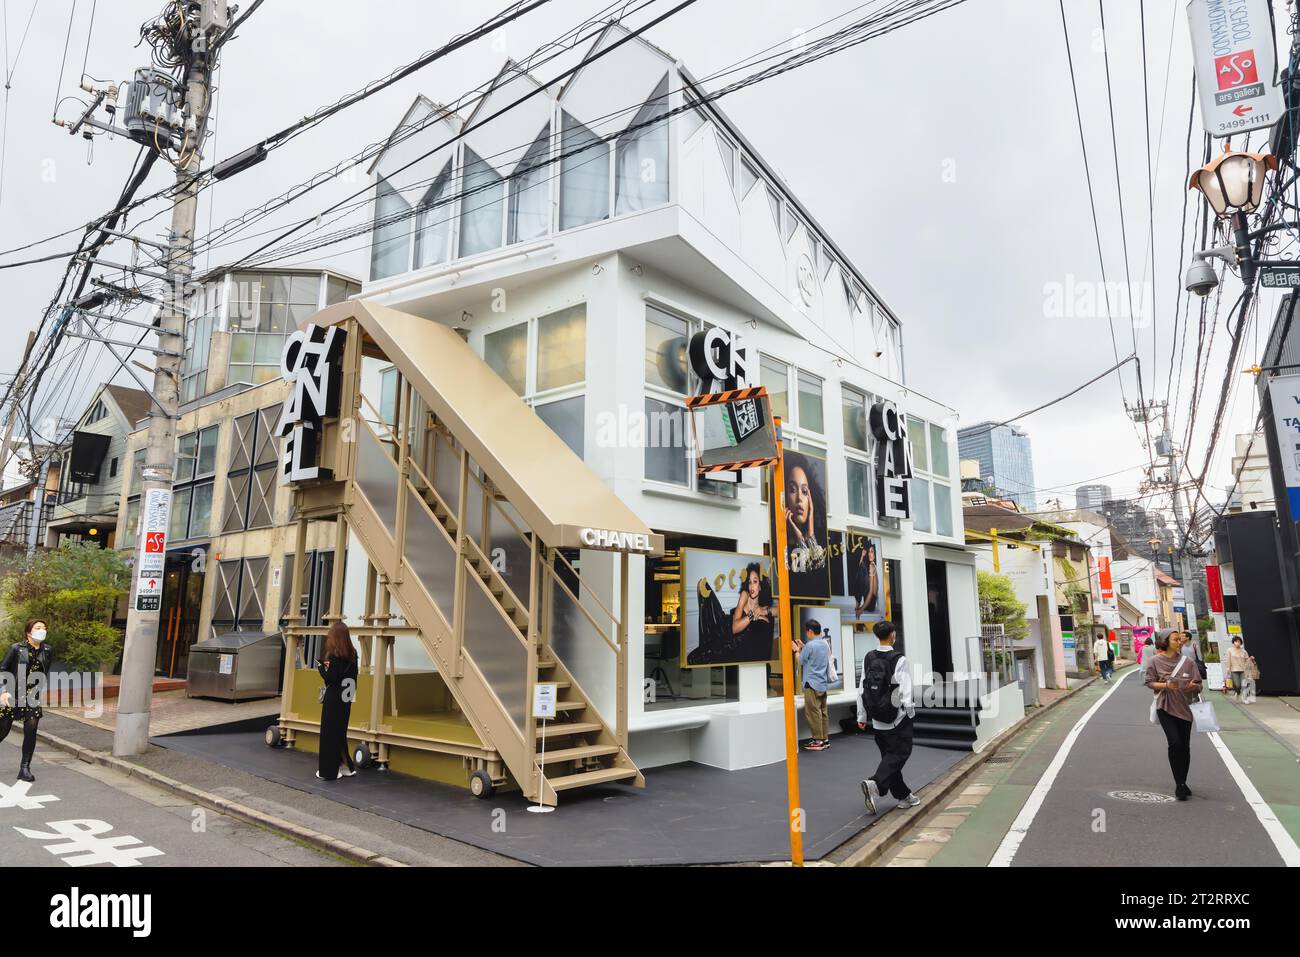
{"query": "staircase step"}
(568, 707)
(584, 778)
(577, 754)
(563, 729)
(546, 663)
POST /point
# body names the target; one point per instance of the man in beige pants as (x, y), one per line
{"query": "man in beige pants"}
(814, 661)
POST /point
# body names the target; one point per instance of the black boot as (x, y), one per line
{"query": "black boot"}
(25, 772)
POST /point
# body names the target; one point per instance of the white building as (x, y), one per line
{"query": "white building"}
(581, 281)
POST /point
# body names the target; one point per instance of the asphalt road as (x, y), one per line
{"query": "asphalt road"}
(1110, 801)
(78, 815)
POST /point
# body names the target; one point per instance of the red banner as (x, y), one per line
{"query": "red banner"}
(1103, 572)
(1214, 585)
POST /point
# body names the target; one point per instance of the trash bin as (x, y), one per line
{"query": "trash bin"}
(236, 666)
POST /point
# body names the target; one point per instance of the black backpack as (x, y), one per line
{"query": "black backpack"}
(878, 683)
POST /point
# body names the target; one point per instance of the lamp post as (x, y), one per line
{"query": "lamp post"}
(1233, 184)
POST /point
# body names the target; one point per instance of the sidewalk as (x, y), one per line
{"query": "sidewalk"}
(172, 712)
(274, 802)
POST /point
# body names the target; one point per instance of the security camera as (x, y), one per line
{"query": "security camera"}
(1200, 278)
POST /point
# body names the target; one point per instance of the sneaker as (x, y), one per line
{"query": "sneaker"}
(872, 795)
(826, 743)
(318, 775)
(814, 745)
(346, 772)
(910, 801)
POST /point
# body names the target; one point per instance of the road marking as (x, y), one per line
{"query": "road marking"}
(83, 844)
(1006, 851)
(1282, 840)
(19, 795)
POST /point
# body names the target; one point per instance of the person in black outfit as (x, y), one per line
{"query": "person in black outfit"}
(339, 669)
(21, 675)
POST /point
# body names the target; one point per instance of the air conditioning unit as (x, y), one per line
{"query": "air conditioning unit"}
(152, 107)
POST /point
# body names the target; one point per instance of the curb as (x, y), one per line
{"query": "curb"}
(891, 833)
(214, 802)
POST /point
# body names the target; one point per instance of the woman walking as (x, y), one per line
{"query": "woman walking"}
(339, 669)
(21, 675)
(1176, 684)
(1238, 664)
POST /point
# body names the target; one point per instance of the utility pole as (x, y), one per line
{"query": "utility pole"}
(1164, 448)
(131, 733)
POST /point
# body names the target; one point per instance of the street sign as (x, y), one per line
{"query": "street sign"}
(1235, 53)
(1280, 277)
(154, 517)
(732, 430)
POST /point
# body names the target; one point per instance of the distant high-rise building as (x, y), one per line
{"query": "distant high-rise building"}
(1091, 496)
(1005, 457)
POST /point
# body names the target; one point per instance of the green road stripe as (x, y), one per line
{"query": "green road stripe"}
(1269, 764)
(974, 843)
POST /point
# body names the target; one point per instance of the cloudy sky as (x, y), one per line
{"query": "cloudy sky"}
(944, 158)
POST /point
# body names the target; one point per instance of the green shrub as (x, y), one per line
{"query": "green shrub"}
(74, 588)
(1000, 606)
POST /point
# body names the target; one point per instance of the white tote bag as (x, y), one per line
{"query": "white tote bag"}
(1203, 718)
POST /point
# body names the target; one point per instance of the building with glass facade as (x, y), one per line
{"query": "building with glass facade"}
(577, 246)
(1006, 460)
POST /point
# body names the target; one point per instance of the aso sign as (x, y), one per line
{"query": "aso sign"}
(311, 363)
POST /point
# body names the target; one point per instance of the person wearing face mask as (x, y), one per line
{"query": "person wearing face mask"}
(22, 673)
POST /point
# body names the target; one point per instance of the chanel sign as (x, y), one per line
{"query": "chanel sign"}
(310, 362)
(893, 461)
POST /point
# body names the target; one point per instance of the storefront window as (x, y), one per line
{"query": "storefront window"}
(854, 411)
(810, 404)
(665, 445)
(506, 351)
(942, 509)
(916, 432)
(665, 350)
(938, 452)
(859, 482)
(566, 419)
(562, 348)
(775, 377)
(921, 505)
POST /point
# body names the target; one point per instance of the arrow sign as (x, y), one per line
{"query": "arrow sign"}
(1236, 65)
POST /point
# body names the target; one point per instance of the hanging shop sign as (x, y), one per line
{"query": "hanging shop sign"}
(732, 430)
(719, 359)
(608, 539)
(1104, 579)
(155, 514)
(1214, 586)
(1284, 390)
(311, 363)
(1234, 50)
(893, 460)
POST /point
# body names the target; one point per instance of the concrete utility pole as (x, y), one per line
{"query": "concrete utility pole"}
(131, 733)
(1174, 463)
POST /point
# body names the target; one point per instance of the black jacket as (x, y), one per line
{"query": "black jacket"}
(18, 661)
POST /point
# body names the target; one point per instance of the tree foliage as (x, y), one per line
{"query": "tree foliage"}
(74, 588)
(1000, 606)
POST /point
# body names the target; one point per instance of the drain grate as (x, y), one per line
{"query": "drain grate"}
(1142, 797)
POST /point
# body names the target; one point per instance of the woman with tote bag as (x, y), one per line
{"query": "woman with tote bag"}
(1176, 683)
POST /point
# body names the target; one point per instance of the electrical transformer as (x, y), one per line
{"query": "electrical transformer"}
(152, 107)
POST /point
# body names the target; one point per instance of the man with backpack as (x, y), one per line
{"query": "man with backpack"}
(885, 699)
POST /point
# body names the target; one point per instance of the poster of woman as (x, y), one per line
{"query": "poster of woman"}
(865, 585)
(807, 542)
(731, 616)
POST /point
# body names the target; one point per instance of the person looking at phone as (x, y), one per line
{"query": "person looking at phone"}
(1175, 682)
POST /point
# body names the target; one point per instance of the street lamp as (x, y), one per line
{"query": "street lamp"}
(1233, 182)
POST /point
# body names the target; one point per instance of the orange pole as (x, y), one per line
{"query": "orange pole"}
(787, 655)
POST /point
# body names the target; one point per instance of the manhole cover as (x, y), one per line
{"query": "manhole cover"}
(1141, 797)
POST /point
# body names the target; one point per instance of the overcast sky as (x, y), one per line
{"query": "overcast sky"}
(943, 158)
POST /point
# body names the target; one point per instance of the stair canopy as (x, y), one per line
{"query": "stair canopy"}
(556, 492)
